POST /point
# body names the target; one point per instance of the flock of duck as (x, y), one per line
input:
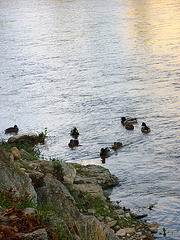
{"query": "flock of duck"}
(128, 123)
(105, 152)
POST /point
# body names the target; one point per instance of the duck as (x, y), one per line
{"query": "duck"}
(74, 132)
(12, 129)
(73, 143)
(129, 126)
(125, 120)
(145, 128)
(116, 145)
(104, 152)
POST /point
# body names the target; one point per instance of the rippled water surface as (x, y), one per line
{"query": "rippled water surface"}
(87, 63)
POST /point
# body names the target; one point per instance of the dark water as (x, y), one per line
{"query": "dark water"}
(87, 63)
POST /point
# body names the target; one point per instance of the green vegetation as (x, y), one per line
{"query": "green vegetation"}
(45, 215)
(27, 146)
(7, 201)
(30, 145)
(58, 170)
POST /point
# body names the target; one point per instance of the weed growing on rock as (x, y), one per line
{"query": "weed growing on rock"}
(58, 170)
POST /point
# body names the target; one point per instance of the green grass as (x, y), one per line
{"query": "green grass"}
(58, 170)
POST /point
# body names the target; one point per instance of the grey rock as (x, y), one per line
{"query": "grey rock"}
(23, 137)
(121, 233)
(92, 189)
(92, 211)
(25, 154)
(96, 175)
(39, 234)
(12, 177)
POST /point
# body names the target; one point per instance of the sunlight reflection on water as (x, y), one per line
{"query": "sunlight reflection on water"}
(86, 64)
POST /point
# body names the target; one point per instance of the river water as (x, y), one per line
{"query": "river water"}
(87, 63)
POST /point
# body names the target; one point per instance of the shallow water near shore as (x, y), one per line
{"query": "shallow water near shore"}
(86, 64)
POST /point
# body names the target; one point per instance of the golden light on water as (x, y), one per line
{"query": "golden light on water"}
(155, 25)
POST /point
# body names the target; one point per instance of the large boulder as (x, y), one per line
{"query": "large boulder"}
(27, 137)
(55, 193)
(47, 167)
(97, 175)
(13, 178)
(92, 189)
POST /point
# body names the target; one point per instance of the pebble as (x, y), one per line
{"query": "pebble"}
(116, 228)
(130, 230)
(91, 211)
(112, 223)
(119, 211)
(121, 233)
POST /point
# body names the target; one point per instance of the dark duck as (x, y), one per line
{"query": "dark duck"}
(73, 143)
(104, 153)
(12, 129)
(145, 128)
(74, 132)
(129, 126)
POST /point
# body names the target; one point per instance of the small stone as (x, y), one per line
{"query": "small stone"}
(130, 230)
(92, 211)
(106, 207)
(116, 228)
(128, 215)
(121, 233)
(148, 234)
(31, 211)
(143, 237)
(139, 233)
(112, 223)
(119, 211)
(153, 229)
(100, 218)
(108, 219)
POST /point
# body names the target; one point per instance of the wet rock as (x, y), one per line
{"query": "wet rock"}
(154, 229)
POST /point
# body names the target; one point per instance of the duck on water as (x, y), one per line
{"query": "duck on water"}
(12, 129)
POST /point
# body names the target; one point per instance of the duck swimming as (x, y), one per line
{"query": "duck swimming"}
(104, 152)
(73, 143)
(129, 126)
(116, 145)
(12, 129)
(145, 128)
(125, 120)
(74, 132)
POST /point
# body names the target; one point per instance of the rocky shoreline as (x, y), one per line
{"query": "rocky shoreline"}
(73, 193)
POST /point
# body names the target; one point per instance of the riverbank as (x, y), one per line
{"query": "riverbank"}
(66, 201)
